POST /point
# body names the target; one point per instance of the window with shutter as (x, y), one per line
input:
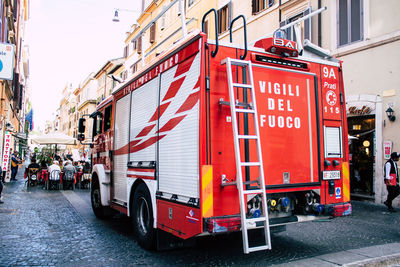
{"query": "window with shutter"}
(206, 27)
(224, 18)
(134, 44)
(350, 27)
(305, 26)
(259, 5)
(139, 45)
(125, 51)
(163, 22)
(153, 33)
(134, 68)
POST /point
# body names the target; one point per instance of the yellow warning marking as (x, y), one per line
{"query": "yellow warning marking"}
(346, 182)
(207, 188)
(207, 175)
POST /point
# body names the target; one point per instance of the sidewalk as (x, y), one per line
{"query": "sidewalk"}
(381, 255)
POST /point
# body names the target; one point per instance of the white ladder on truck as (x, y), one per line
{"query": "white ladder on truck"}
(251, 110)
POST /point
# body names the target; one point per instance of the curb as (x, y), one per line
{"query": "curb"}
(389, 260)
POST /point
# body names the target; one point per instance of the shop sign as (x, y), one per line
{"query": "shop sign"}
(6, 61)
(387, 148)
(358, 111)
(6, 151)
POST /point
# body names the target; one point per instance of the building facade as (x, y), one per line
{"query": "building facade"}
(13, 15)
(104, 79)
(86, 106)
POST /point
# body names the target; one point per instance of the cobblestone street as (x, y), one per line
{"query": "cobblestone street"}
(42, 228)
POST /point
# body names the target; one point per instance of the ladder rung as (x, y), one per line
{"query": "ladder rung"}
(259, 219)
(242, 85)
(252, 249)
(238, 62)
(251, 182)
(254, 191)
(244, 110)
(250, 164)
(247, 137)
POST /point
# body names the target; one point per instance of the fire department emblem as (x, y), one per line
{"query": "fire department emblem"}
(331, 97)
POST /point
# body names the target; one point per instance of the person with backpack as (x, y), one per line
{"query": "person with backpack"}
(392, 180)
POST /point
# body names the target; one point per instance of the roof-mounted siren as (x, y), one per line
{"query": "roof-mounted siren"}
(279, 45)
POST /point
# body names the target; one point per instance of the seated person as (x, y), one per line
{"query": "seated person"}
(54, 167)
(43, 164)
(78, 166)
(86, 167)
(32, 166)
(68, 167)
(69, 171)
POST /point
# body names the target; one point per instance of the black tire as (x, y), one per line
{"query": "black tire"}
(99, 210)
(142, 218)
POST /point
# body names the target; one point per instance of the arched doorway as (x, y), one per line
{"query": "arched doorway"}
(364, 117)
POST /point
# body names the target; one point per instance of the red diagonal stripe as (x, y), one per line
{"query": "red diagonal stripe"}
(171, 124)
(197, 84)
(162, 108)
(145, 131)
(122, 150)
(133, 143)
(146, 143)
(173, 88)
(184, 66)
(189, 102)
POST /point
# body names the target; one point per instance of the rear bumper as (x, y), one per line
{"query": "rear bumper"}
(232, 223)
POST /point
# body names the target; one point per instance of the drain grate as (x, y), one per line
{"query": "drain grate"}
(10, 237)
(7, 210)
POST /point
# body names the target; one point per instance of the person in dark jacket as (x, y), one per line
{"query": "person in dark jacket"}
(391, 172)
(15, 160)
(1, 187)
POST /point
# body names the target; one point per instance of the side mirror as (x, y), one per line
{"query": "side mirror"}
(81, 137)
(81, 126)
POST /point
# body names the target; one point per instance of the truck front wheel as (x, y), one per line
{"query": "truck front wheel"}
(142, 217)
(99, 210)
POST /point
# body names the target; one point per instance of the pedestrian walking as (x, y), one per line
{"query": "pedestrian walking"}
(1, 186)
(14, 165)
(392, 180)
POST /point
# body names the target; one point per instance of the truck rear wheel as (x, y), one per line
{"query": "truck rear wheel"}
(142, 217)
(99, 210)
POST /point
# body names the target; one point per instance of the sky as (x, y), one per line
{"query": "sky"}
(67, 40)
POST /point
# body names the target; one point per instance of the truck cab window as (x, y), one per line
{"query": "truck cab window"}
(97, 123)
(107, 118)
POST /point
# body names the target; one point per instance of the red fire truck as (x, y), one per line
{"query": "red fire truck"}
(213, 138)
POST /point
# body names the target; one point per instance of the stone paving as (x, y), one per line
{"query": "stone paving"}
(58, 228)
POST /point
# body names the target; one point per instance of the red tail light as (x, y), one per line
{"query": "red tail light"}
(223, 225)
(342, 210)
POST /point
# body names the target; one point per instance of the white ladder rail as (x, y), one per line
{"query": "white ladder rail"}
(239, 164)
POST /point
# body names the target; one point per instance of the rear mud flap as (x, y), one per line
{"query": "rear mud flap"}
(167, 241)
